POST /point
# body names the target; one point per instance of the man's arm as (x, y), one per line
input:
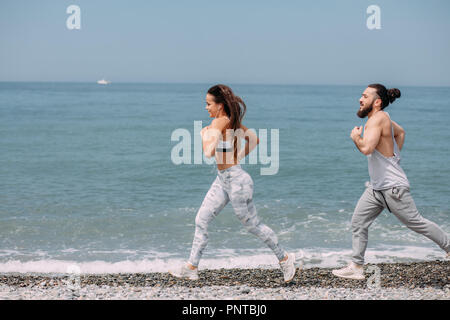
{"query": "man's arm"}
(399, 134)
(369, 141)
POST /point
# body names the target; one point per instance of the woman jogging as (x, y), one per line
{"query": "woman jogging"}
(232, 184)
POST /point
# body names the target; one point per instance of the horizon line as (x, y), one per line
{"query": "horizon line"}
(202, 83)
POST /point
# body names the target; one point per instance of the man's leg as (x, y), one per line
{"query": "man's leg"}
(403, 207)
(366, 211)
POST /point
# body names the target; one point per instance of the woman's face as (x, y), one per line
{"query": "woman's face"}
(212, 107)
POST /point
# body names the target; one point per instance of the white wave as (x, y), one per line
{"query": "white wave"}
(227, 259)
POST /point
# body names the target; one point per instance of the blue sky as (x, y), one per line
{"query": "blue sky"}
(273, 42)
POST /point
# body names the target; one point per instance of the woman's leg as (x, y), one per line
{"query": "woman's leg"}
(215, 200)
(241, 195)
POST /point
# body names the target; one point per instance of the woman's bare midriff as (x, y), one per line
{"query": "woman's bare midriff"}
(226, 160)
(225, 166)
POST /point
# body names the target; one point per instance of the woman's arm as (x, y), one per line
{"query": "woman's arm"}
(251, 140)
(211, 135)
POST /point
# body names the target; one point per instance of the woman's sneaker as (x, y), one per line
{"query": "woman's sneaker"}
(288, 267)
(185, 272)
(350, 272)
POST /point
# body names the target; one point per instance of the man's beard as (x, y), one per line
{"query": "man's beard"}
(364, 112)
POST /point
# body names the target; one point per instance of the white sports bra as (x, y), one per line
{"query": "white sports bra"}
(225, 146)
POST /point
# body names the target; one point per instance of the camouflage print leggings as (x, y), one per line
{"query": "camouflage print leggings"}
(236, 186)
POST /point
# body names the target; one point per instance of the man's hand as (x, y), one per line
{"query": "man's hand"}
(356, 132)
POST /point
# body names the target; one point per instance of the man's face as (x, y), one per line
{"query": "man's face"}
(368, 98)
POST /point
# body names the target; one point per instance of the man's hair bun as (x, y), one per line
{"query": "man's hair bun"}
(393, 94)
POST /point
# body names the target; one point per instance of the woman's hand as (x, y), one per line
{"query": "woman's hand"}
(211, 135)
(202, 132)
(251, 140)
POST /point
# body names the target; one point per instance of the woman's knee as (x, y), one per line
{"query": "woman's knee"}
(202, 219)
(263, 232)
(200, 225)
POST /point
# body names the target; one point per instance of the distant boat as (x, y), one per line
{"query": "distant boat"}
(103, 81)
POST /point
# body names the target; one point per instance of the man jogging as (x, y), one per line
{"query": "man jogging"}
(389, 188)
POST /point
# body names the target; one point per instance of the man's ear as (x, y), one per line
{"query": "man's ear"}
(378, 102)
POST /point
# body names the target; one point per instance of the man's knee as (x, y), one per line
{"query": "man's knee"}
(357, 223)
(411, 219)
(419, 224)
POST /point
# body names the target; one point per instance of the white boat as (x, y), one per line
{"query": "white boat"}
(103, 81)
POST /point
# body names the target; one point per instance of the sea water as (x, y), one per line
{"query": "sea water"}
(87, 178)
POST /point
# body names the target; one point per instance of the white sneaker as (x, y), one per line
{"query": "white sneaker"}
(350, 272)
(288, 267)
(185, 272)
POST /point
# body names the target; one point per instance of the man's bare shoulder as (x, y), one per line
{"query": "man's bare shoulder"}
(379, 119)
(384, 123)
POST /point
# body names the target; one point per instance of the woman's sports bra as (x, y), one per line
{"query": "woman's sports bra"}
(225, 146)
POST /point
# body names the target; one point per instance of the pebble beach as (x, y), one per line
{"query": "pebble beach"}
(392, 281)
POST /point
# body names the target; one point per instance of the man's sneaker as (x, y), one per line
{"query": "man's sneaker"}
(350, 272)
(185, 272)
(288, 267)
